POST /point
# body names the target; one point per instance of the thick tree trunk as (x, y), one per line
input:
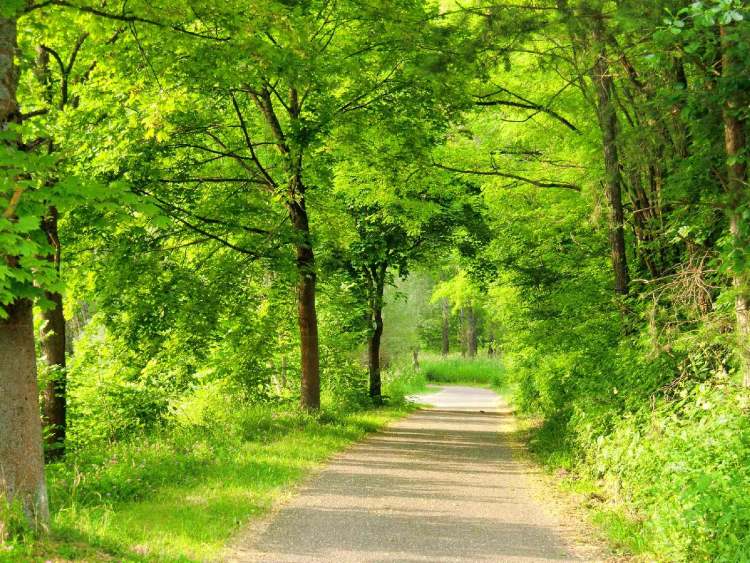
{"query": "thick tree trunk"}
(53, 351)
(446, 343)
(735, 144)
(471, 332)
(8, 71)
(307, 315)
(604, 87)
(21, 463)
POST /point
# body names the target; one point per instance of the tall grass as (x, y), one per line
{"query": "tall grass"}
(457, 369)
(401, 379)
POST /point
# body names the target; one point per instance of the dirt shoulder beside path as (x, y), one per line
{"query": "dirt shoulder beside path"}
(441, 485)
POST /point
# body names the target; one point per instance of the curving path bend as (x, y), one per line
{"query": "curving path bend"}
(442, 485)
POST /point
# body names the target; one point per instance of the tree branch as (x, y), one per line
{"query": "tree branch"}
(524, 104)
(531, 181)
(254, 157)
(128, 18)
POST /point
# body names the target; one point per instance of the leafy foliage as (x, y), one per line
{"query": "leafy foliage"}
(239, 184)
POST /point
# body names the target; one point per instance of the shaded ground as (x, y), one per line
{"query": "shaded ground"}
(441, 485)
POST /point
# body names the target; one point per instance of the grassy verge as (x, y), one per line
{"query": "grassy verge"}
(667, 483)
(459, 370)
(610, 524)
(180, 496)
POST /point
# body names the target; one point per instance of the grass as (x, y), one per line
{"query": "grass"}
(622, 532)
(460, 370)
(181, 495)
(400, 380)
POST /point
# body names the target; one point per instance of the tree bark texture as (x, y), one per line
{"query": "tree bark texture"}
(373, 354)
(21, 463)
(607, 115)
(53, 351)
(376, 287)
(21, 458)
(603, 83)
(471, 332)
(735, 143)
(307, 316)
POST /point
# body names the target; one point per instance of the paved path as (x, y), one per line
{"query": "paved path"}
(440, 485)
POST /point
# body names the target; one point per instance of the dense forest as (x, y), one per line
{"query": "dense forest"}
(231, 223)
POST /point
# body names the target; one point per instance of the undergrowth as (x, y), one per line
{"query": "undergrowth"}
(667, 481)
(181, 490)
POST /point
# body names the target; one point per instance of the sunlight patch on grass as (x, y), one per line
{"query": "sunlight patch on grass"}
(191, 495)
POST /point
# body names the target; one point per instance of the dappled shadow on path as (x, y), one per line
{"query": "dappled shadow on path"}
(443, 485)
(415, 535)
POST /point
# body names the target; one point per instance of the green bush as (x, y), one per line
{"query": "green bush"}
(672, 455)
(685, 467)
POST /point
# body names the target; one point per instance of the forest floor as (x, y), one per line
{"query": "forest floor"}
(445, 484)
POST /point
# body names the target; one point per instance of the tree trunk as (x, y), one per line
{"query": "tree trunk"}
(462, 330)
(21, 458)
(735, 144)
(53, 342)
(446, 328)
(53, 350)
(376, 288)
(307, 316)
(373, 354)
(608, 123)
(607, 115)
(471, 332)
(8, 71)
(21, 462)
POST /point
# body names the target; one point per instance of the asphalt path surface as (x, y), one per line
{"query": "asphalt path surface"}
(440, 485)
